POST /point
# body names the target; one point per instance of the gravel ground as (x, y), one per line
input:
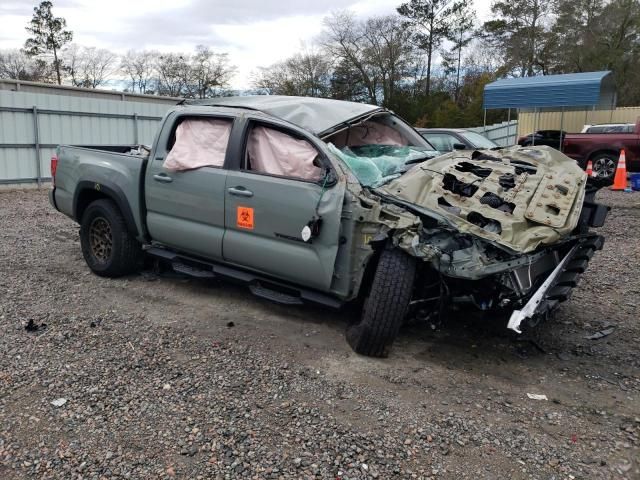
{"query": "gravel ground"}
(161, 377)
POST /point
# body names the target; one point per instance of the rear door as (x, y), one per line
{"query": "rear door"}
(185, 208)
(268, 206)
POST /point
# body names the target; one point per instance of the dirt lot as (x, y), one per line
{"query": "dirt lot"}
(171, 377)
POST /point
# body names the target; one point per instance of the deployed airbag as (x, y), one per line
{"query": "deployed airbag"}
(276, 153)
(200, 142)
(368, 133)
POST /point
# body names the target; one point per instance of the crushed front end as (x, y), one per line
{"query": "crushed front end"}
(502, 231)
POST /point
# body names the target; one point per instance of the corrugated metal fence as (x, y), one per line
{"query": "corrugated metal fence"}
(574, 120)
(503, 134)
(33, 124)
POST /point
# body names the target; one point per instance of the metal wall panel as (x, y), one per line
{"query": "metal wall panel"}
(47, 88)
(573, 121)
(66, 119)
(502, 134)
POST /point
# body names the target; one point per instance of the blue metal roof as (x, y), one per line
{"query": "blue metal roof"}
(568, 90)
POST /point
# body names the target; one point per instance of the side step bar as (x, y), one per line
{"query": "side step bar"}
(274, 290)
(260, 290)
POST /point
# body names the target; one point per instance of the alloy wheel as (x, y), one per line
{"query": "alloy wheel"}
(100, 239)
(604, 167)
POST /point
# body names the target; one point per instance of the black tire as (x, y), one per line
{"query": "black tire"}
(107, 246)
(386, 306)
(604, 165)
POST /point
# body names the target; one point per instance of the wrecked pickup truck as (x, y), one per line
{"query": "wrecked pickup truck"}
(331, 202)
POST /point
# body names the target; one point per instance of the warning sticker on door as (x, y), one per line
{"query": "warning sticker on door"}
(245, 217)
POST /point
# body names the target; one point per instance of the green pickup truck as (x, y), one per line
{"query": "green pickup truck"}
(331, 202)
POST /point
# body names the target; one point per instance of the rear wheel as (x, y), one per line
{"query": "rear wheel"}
(107, 246)
(386, 306)
(604, 165)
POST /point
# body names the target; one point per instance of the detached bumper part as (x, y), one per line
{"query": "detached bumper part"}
(529, 310)
(558, 285)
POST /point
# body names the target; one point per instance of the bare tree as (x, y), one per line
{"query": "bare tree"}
(99, 67)
(375, 53)
(306, 74)
(140, 69)
(173, 74)
(274, 80)
(17, 65)
(389, 51)
(209, 72)
(342, 39)
(88, 67)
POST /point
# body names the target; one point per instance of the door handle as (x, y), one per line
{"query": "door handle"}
(240, 192)
(162, 177)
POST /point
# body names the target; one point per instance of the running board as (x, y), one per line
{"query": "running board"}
(270, 289)
(260, 290)
(192, 271)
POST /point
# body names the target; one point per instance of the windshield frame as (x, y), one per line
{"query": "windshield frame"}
(406, 129)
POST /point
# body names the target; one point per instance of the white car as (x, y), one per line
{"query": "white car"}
(609, 128)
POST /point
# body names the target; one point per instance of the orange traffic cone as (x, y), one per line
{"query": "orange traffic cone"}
(589, 168)
(620, 179)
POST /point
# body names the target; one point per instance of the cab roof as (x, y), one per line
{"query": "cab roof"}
(317, 115)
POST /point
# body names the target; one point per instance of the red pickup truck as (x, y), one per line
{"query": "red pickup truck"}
(603, 149)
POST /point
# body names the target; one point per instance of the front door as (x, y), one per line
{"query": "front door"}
(279, 189)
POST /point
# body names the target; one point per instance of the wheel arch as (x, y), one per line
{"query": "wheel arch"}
(87, 192)
(601, 151)
(378, 244)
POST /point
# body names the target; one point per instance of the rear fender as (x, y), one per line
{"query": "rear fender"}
(87, 192)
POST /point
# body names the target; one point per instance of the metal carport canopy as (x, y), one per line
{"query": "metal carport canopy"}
(589, 89)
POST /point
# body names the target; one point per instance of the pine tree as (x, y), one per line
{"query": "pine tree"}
(48, 35)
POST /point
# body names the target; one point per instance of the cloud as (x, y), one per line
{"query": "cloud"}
(254, 32)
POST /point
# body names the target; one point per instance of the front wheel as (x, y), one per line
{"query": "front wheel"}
(386, 306)
(107, 246)
(604, 165)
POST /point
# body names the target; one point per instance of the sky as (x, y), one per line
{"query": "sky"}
(254, 32)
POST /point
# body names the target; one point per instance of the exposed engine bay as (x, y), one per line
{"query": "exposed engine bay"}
(501, 231)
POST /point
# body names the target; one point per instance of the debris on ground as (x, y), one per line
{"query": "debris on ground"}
(537, 396)
(600, 334)
(32, 326)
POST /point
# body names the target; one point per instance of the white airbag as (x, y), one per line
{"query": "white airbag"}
(276, 153)
(200, 142)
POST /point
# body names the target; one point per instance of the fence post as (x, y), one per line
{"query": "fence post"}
(135, 129)
(561, 128)
(36, 135)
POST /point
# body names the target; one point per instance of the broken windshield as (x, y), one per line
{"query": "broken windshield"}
(379, 148)
(375, 165)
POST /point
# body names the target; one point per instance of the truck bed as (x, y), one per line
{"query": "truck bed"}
(112, 169)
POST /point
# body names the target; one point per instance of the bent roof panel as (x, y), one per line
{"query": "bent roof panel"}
(568, 90)
(314, 114)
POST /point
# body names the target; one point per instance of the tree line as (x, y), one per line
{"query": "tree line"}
(49, 55)
(429, 61)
